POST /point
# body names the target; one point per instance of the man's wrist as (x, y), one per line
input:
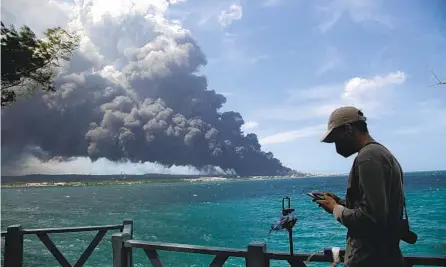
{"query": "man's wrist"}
(337, 211)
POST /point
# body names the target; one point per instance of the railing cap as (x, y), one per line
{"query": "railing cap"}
(257, 244)
(14, 226)
(123, 236)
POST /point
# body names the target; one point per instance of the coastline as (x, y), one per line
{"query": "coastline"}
(10, 183)
(147, 181)
(84, 183)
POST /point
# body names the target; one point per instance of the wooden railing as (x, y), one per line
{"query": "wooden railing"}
(13, 255)
(256, 255)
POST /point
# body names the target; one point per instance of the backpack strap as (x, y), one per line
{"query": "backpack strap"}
(402, 191)
(401, 180)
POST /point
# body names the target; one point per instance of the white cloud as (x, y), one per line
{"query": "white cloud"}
(176, 1)
(288, 136)
(369, 94)
(272, 3)
(42, 14)
(357, 84)
(250, 125)
(24, 12)
(372, 95)
(234, 12)
(358, 11)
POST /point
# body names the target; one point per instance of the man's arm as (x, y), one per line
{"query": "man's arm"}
(373, 208)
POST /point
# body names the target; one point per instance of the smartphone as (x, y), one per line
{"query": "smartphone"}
(316, 196)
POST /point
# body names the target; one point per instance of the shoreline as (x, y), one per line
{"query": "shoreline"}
(204, 179)
(147, 181)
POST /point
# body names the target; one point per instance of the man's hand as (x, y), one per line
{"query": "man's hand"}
(335, 197)
(328, 203)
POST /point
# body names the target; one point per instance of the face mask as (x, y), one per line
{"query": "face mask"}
(345, 147)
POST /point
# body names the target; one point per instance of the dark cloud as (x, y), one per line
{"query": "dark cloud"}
(133, 92)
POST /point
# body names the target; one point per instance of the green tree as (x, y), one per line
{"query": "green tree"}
(29, 63)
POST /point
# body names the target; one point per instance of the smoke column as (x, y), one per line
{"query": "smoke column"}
(132, 92)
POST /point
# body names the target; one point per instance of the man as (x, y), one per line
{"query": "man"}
(374, 198)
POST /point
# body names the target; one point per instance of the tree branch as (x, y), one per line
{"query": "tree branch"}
(5, 87)
(440, 82)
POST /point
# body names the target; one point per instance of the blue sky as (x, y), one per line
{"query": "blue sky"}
(286, 64)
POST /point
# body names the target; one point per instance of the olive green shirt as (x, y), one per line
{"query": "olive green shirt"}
(374, 200)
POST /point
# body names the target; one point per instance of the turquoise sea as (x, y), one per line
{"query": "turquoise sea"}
(223, 214)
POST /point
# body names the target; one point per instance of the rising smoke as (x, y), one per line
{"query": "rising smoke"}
(132, 92)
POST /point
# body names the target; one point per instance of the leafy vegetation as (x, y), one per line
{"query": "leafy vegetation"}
(29, 63)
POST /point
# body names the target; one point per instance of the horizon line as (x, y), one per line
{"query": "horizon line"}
(180, 174)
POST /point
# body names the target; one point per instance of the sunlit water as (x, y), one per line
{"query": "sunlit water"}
(223, 214)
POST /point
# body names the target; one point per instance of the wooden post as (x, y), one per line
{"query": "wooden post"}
(256, 255)
(14, 246)
(128, 229)
(120, 253)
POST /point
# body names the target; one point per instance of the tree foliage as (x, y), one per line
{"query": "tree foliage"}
(29, 63)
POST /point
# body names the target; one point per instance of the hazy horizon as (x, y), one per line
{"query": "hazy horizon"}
(185, 174)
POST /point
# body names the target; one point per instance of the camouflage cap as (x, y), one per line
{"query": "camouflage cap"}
(339, 117)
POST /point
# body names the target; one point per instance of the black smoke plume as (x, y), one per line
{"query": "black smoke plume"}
(133, 92)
